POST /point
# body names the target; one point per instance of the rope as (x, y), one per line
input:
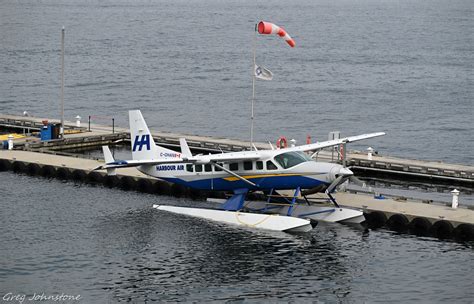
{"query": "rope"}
(252, 225)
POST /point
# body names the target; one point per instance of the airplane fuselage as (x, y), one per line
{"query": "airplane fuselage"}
(277, 170)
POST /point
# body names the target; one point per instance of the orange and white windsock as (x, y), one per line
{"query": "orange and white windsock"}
(267, 28)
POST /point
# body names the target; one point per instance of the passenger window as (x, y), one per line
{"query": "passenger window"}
(207, 167)
(217, 168)
(248, 165)
(271, 165)
(259, 165)
(189, 168)
(234, 166)
(198, 168)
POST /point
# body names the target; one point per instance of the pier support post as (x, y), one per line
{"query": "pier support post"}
(10, 142)
(455, 202)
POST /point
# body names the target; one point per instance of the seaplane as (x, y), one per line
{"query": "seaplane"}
(240, 173)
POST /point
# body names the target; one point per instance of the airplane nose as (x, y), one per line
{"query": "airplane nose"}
(345, 172)
(338, 170)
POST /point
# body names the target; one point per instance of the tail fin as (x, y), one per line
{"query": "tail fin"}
(108, 159)
(143, 145)
(185, 151)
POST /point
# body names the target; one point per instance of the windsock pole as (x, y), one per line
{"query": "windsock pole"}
(253, 86)
(264, 28)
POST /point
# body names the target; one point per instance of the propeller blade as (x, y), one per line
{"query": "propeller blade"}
(313, 190)
(334, 184)
(357, 181)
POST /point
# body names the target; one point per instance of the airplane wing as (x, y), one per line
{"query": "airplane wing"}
(330, 143)
(227, 157)
(198, 159)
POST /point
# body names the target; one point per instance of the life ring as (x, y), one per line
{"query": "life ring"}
(282, 142)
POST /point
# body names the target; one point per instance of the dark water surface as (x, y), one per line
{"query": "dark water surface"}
(110, 246)
(404, 67)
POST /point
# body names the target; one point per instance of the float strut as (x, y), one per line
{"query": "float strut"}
(293, 201)
(268, 200)
(306, 199)
(333, 200)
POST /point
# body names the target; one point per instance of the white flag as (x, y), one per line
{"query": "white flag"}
(262, 73)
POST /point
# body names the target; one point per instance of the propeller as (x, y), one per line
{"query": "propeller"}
(357, 181)
(341, 175)
(334, 184)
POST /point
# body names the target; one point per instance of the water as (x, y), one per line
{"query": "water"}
(404, 67)
(109, 245)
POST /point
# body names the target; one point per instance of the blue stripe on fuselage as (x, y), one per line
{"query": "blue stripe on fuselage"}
(264, 183)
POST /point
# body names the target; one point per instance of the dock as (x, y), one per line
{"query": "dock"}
(96, 135)
(398, 215)
(54, 159)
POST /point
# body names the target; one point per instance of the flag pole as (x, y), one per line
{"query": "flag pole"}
(253, 87)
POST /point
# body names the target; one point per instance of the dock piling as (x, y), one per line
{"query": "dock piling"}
(455, 201)
(10, 142)
(370, 150)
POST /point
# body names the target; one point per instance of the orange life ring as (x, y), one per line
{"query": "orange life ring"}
(282, 142)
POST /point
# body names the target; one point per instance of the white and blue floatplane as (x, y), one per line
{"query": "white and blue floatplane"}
(267, 171)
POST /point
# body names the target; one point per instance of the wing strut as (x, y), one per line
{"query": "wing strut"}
(234, 174)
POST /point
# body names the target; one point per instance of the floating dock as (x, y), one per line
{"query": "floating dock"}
(95, 135)
(398, 215)
(52, 159)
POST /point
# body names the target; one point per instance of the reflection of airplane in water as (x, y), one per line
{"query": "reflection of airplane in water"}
(243, 172)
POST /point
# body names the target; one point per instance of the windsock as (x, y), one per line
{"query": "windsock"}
(267, 28)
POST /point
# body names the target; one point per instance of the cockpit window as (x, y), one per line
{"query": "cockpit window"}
(291, 159)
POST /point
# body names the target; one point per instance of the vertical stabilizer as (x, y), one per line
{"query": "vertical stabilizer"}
(109, 158)
(107, 155)
(143, 145)
(185, 151)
